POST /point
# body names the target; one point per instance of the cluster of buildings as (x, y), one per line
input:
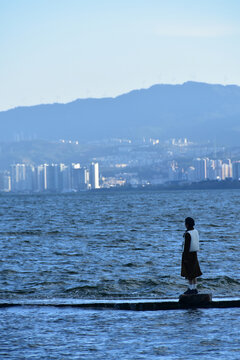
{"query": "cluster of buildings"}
(205, 169)
(50, 178)
(59, 178)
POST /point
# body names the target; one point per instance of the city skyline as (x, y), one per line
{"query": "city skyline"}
(62, 178)
(49, 178)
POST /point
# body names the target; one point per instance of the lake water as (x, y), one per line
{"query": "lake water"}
(116, 245)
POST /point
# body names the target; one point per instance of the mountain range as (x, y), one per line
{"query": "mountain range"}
(198, 111)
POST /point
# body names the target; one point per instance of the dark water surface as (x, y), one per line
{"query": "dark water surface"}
(48, 333)
(116, 245)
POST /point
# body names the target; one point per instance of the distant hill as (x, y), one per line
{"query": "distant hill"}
(198, 111)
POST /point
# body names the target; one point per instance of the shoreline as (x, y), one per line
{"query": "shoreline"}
(172, 186)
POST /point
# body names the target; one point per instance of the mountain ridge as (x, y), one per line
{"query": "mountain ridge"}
(199, 111)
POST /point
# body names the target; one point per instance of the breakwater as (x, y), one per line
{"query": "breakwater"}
(132, 305)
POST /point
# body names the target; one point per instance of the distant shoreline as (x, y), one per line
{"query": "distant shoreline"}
(202, 185)
(173, 186)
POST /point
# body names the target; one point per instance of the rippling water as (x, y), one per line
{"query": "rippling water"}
(48, 333)
(117, 245)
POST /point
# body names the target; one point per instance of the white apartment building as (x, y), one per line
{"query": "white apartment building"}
(94, 176)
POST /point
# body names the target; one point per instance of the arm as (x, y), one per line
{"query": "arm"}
(187, 243)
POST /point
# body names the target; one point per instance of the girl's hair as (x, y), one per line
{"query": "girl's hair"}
(189, 221)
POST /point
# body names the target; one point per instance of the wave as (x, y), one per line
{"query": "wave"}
(123, 288)
(162, 287)
(21, 233)
(222, 281)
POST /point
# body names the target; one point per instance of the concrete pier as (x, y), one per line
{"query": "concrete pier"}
(184, 302)
(198, 300)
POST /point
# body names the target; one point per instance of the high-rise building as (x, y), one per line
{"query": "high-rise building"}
(5, 181)
(226, 169)
(211, 170)
(80, 178)
(94, 176)
(22, 177)
(51, 177)
(200, 166)
(65, 178)
(236, 170)
(40, 178)
(218, 169)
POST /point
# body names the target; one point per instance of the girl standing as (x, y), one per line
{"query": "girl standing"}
(190, 267)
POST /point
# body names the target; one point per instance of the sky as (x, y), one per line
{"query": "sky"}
(61, 50)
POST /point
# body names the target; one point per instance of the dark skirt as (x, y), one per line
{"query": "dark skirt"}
(190, 267)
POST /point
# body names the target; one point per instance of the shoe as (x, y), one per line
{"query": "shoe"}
(188, 292)
(194, 291)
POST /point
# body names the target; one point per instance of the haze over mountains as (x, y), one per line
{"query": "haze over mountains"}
(198, 111)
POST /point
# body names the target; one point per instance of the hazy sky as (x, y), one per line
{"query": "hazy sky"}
(60, 50)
